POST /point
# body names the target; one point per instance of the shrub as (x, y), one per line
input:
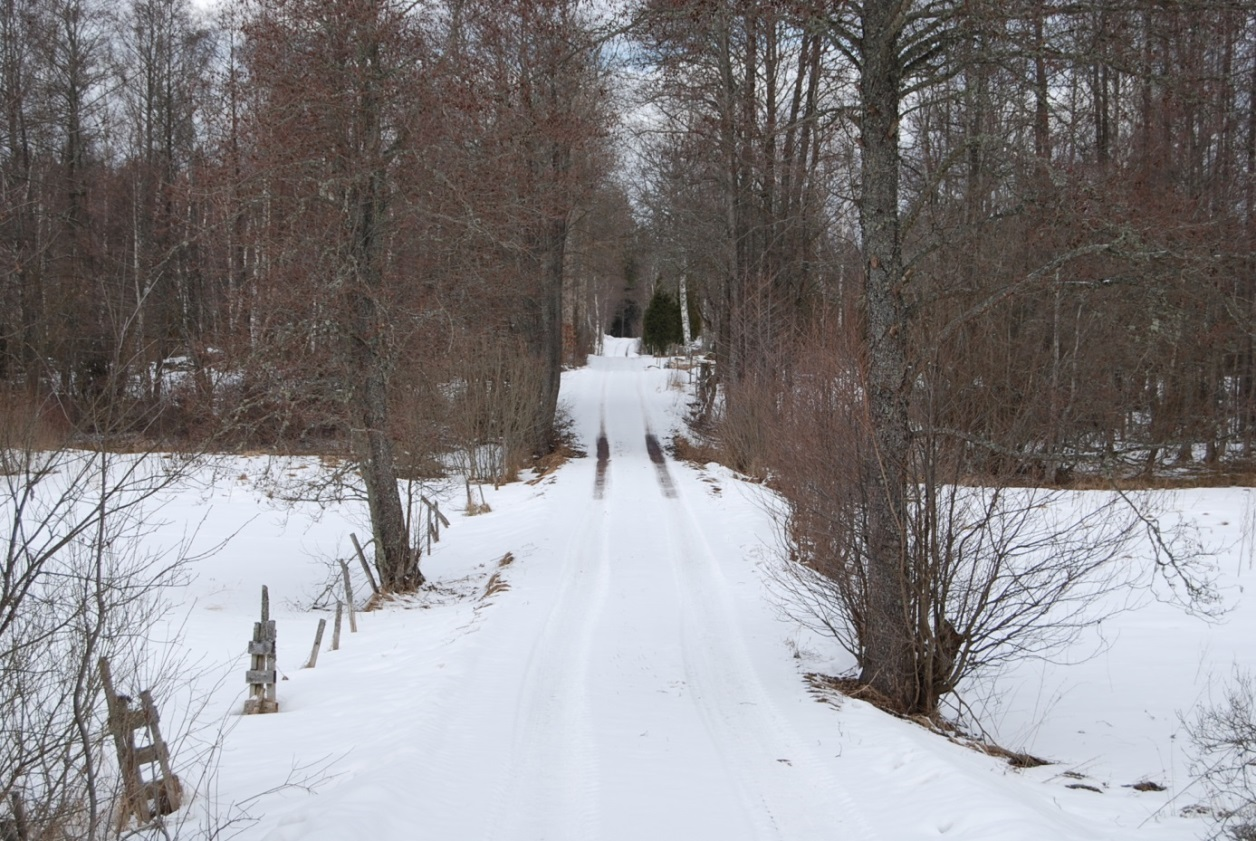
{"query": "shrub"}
(1223, 736)
(661, 327)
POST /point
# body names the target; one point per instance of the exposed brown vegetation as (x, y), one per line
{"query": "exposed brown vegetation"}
(698, 452)
(824, 687)
(496, 584)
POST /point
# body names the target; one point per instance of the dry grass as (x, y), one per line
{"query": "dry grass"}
(475, 509)
(544, 465)
(699, 453)
(1016, 759)
(496, 584)
(30, 424)
(852, 688)
(1234, 476)
(1230, 476)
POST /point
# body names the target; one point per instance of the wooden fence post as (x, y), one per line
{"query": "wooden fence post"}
(261, 673)
(353, 622)
(318, 641)
(435, 519)
(335, 631)
(160, 795)
(357, 547)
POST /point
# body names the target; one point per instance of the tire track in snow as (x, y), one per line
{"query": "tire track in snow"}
(603, 447)
(551, 781)
(603, 460)
(660, 464)
(552, 769)
(800, 797)
(797, 795)
(654, 450)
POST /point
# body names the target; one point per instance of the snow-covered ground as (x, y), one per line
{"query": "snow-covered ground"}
(633, 678)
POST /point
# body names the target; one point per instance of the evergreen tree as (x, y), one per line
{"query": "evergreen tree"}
(661, 327)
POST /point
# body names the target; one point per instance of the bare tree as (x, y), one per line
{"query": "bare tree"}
(538, 62)
(932, 393)
(336, 116)
(736, 169)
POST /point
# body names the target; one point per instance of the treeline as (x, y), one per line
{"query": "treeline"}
(287, 212)
(1075, 187)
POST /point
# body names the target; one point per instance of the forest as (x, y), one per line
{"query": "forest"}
(236, 213)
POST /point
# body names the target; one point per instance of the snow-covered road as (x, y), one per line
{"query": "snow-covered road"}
(632, 681)
(613, 695)
(636, 677)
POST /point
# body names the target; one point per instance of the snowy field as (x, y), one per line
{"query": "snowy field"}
(633, 678)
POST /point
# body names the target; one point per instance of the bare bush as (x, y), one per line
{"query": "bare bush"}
(75, 586)
(744, 423)
(993, 570)
(1223, 736)
(495, 395)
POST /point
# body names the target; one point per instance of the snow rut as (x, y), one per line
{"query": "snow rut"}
(603, 461)
(638, 679)
(551, 781)
(797, 796)
(655, 451)
(790, 793)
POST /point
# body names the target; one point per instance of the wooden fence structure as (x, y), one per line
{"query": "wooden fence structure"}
(262, 669)
(150, 788)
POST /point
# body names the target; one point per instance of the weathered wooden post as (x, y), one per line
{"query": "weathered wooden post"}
(261, 673)
(148, 799)
(353, 622)
(435, 519)
(318, 641)
(335, 631)
(366, 567)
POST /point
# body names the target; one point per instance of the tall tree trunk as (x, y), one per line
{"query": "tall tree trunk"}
(550, 337)
(394, 558)
(888, 657)
(369, 355)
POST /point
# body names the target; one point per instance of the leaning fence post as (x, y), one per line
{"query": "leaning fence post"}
(261, 673)
(318, 641)
(353, 622)
(362, 560)
(435, 519)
